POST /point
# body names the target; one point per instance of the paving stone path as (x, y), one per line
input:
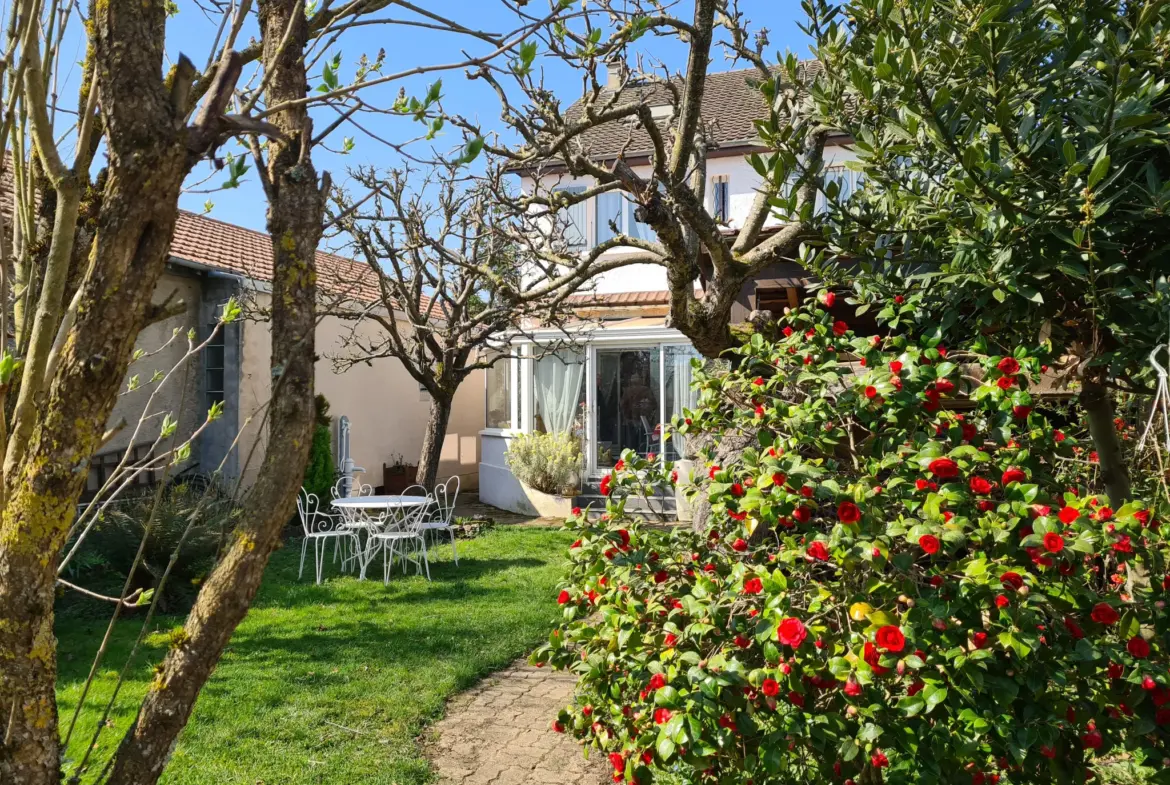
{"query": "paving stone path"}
(498, 733)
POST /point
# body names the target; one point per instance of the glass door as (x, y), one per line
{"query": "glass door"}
(627, 403)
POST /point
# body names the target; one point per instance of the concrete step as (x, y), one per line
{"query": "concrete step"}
(636, 504)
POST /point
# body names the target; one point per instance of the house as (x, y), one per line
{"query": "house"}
(212, 261)
(632, 372)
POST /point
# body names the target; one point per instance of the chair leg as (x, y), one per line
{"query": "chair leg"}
(454, 552)
(386, 562)
(426, 564)
(320, 549)
(304, 548)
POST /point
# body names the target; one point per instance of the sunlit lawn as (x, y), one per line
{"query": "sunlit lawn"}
(333, 683)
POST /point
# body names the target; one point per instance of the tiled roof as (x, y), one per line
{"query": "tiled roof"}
(732, 103)
(223, 246)
(619, 298)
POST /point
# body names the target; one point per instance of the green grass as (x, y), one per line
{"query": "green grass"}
(333, 683)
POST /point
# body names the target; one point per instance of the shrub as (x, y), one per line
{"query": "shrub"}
(548, 462)
(108, 552)
(887, 588)
(319, 470)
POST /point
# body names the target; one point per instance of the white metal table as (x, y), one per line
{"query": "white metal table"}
(381, 504)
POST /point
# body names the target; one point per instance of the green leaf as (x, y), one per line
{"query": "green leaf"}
(1100, 168)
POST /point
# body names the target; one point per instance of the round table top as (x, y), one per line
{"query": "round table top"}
(381, 502)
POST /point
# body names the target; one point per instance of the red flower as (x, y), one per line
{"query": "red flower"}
(980, 640)
(890, 638)
(840, 328)
(662, 715)
(558, 726)
(752, 586)
(943, 468)
(796, 699)
(618, 762)
(563, 597)
(895, 367)
(657, 682)
(1021, 412)
(758, 381)
(1008, 365)
(1103, 613)
(969, 431)
(770, 687)
(674, 477)
(818, 551)
(1103, 514)
(980, 485)
(852, 687)
(829, 299)
(779, 478)
(1069, 514)
(661, 576)
(791, 632)
(670, 640)
(1073, 628)
(617, 467)
(879, 760)
(605, 481)
(802, 514)
(1092, 740)
(1013, 474)
(1053, 542)
(944, 386)
(736, 489)
(929, 543)
(1012, 580)
(871, 392)
(711, 472)
(1005, 382)
(1138, 647)
(1002, 602)
(759, 411)
(739, 545)
(742, 641)
(848, 512)
(576, 511)
(787, 332)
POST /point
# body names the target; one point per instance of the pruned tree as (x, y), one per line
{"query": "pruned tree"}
(662, 166)
(78, 270)
(458, 270)
(1016, 168)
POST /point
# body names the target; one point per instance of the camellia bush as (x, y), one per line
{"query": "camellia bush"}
(908, 577)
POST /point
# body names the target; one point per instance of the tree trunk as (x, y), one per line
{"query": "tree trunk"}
(432, 446)
(148, 160)
(296, 207)
(1098, 406)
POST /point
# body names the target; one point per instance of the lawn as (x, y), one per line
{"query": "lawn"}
(334, 683)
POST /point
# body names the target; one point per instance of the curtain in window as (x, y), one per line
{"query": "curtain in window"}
(557, 385)
(572, 219)
(679, 394)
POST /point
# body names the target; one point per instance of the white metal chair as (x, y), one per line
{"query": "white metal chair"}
(402, 535)
(320, 527)
(355, 489)
(441, 513)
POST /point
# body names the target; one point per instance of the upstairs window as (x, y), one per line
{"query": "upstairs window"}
(573, 220)
(614, 209)
(846, 181)
(213, 362)
(721, 197)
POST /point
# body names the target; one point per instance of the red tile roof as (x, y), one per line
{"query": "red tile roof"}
(620, 298)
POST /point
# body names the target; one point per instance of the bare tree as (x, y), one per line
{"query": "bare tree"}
(457, 269)
(662, 166)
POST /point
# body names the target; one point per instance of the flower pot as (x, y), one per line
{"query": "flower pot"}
(548, 505)
(397, 478)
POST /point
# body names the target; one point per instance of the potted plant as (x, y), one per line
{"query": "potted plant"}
(548, 466)
(398, 475)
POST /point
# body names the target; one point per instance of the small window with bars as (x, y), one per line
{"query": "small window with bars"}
(213, 362)
(721, 197)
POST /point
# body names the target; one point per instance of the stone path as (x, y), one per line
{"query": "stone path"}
(498, 733)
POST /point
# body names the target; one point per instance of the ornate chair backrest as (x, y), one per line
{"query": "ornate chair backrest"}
(411, 516)
(314, 520)
(445, 496)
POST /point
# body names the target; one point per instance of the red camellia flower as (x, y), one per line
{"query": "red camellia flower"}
(1074, 629)
(661, 576)
(871, 392)
(657, 682)
(1008, 365)
(712, 472)
(852, 687)
(770, 687)
(1138, 647)
(1013, 474)
(943, 468)
(879, 760)
(742, 641)
(895, 367)
(1002, 602)
(829, 299)
(802, 514)
(779, 478)
(796, 699)
(662, 715)
(848, 512)
(1092, 740)
(1012, 580)
(1053, 542)
(758, 381)
(736, 489)
(969, 431)
(787, 332)
(740, 545)
(929, 543)
(1021, 412)
(791, 632)
(890, 638)
(558, 726)
(752, 586)
(980, 485)
(563, 597)
(840, 328)
(1005, 382)
(617, 467)
(944, 386)
(1069, 515)
(980, 640)
(670, 640)
(1103, 613)
(818, 551)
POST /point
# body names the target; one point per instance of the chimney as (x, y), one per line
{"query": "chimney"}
(616, 72)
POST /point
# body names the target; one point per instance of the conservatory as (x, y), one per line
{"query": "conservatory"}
(615, 386)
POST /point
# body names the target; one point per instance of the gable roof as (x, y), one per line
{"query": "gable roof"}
(732, 103)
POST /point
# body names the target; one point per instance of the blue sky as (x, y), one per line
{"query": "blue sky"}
(191, 32)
